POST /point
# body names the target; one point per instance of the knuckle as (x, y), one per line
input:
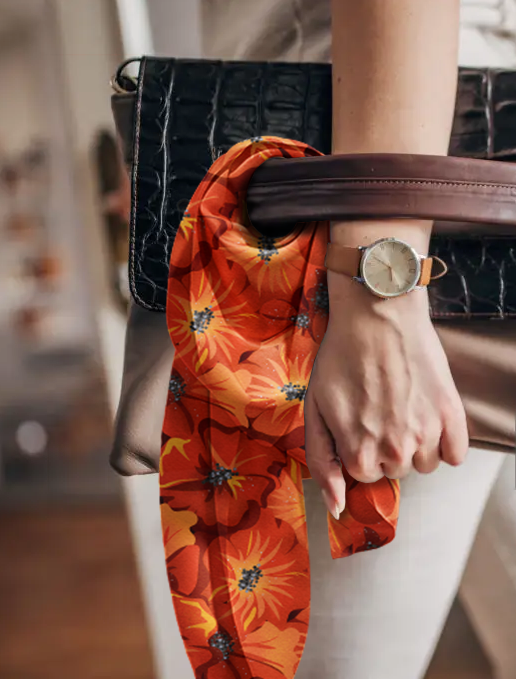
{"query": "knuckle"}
(354, 469)
(357, 472)
(424, 435)
(393, 451)
(399, 445)
(360, 467)
(452, 409)
(358, 462)
(395, 455)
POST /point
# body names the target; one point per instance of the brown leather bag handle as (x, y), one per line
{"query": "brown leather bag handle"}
(463, 191)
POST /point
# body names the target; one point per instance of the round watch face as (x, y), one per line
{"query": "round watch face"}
(390, 267)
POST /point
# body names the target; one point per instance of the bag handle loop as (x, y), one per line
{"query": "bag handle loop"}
(384, 185)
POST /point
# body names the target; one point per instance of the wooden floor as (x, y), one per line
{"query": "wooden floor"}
(70, 604)
(70, 601)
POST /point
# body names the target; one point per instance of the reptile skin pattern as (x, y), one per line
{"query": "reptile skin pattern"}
(189, 111)
(246, 316)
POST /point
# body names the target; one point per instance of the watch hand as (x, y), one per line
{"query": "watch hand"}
(382, 261)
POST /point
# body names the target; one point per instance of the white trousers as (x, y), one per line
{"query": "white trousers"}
(377, 615)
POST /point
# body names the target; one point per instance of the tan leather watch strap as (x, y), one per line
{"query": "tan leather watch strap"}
(343, 259)
(426, 271)
(346, 260)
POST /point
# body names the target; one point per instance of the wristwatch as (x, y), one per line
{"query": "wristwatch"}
(389, 267)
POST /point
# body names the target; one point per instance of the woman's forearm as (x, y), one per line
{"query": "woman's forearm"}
(394, 85)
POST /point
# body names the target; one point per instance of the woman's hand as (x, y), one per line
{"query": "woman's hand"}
(381, 397)
(381, 386)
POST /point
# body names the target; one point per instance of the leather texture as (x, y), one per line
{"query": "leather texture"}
(188, 111)
(343, 259)
(178, 127)
(339, 187)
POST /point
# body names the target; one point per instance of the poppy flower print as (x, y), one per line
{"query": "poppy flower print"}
(246, 314)
(217, 473)
(260, 575)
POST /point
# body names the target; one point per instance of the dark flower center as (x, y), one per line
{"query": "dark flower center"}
(301, 320)
(294, 391)
(370, 545)
(220, 474)
(223, 642)
(177, 387)
(322, 300)
(201, 320)
(250, 578)
(267, 248)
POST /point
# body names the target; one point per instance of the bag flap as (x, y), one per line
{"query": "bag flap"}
(186, 112)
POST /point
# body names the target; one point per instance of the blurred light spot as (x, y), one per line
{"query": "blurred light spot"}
(31, 438)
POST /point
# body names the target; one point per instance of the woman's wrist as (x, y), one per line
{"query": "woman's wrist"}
(347, 296)
(346, 293)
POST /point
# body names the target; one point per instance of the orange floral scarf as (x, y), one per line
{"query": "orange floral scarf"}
(247, 314)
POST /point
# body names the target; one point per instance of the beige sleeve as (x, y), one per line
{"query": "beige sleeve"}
(266, 30)
(300, 30)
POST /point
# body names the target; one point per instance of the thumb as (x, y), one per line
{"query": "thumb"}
(321, 458)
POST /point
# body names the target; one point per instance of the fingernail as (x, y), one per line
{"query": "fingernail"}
(330, 504)
(342, 506)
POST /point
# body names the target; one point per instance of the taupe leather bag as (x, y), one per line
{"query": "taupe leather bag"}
(180, 114)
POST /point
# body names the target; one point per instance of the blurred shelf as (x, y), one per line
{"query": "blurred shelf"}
(55, 431)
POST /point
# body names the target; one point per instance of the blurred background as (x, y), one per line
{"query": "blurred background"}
(83, 589)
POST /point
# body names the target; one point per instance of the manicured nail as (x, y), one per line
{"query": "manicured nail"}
(330, 504)
(342, 506)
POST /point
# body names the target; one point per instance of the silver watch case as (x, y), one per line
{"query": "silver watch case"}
(366, 251)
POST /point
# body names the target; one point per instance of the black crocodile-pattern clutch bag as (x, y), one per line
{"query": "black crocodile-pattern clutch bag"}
(184, 112)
